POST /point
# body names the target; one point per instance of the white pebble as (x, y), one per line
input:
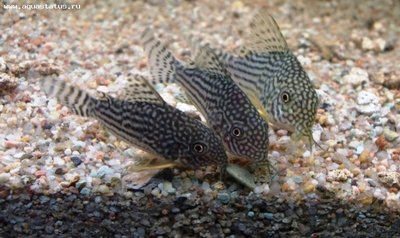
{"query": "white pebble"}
(19, 155)
(356, 76)
(67, 151)
(340, 175)
(379, 194)
(368, 103)
(306, 154)
(58, 161)
(102, 89)
(156, 192)
(367, 44)
(4, 177)
(266, 189)
(258, 189)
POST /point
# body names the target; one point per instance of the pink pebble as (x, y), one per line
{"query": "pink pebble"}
(356, 191)
(281, 133)
(381, 168)
(11, 144)
(40, 173)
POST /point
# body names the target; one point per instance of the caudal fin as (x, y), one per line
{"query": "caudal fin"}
(78, 100)
(161, 61)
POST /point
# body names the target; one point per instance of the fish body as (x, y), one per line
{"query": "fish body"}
(282, 86)
(270, 72)
(227, 109)
(144, 120)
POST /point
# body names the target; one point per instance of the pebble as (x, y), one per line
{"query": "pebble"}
(205, 186)
(250, 214)
(258, 189)
(58, 161)
(76, 160)
(4, 178)
(98, 199)
(44, 199)
(310, 186)
(340, 175)
(3, 65)
(356, 77)
(289, 185)
(167, 187)
(268, 216)
(224, 197)
(389, 178)
(381, 142)
(297, 179)
(367, 103)
(367, 44)
(85, 191)
(156, 192)
(104, 189)
(390, 135)
(68, 151)
(379, 194)
(186, 183)
(19, 155)
(102, 171)
(102, 89)
(80, 184)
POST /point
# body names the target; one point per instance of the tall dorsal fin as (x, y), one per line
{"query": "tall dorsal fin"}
(205, 58)
(265, 36)
(161, 62)
(138, 89)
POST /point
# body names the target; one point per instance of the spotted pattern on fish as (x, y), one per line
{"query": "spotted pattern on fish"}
(227, 109)
(145, 121)
(268, 69)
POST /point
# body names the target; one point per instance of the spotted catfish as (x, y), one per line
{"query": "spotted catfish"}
(227, 109)
(269, 71)
(146, 121)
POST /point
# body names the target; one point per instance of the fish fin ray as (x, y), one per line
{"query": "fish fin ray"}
(161, 62)
(139, 89)
(265, 36)
(78, 100)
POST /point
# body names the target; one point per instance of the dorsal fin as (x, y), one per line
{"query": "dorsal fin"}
(265, 36)
(161, 62)
(197, 42)
(138, 89)
(205, 58)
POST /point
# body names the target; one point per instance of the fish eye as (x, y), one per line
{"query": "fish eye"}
(285, 97)
(236, 132)
(199, 148)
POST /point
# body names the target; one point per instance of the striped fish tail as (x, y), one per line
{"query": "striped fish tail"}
(161, 61)
(79, 101)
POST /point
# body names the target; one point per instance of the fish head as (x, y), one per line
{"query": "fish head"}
(245, 131)
(201, 147)
(294, 101)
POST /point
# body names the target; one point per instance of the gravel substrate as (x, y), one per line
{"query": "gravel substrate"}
(66, 215)
(63, 174)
